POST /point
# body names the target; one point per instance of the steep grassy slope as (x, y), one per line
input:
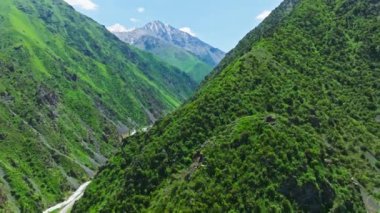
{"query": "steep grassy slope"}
(68, 90)
(289, 121)
(175, 56)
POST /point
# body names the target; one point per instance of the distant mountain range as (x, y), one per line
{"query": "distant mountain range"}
(176, 47)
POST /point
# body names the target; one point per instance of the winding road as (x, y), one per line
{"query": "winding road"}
(66, 206)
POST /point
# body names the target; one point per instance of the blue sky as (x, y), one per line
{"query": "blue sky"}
(221, 23)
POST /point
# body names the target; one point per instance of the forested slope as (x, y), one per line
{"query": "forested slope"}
(288, 121)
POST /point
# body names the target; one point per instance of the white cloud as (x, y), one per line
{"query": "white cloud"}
(187, 30)
(263, 15)
(118, 28)
(134, 20)
(84, 4)
(141, 9)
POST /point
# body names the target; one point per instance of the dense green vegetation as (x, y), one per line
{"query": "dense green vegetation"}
(68, 90)
(289, 121)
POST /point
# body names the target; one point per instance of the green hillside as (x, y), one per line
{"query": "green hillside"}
(69, 90)
(288, 122)
(177, 57)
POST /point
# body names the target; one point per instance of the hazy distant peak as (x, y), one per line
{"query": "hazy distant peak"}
(181, 38)
(162, 29)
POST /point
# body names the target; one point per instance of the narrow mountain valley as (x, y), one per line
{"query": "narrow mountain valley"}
(156, 120)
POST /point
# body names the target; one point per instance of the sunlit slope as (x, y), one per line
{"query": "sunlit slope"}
(68, 90)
